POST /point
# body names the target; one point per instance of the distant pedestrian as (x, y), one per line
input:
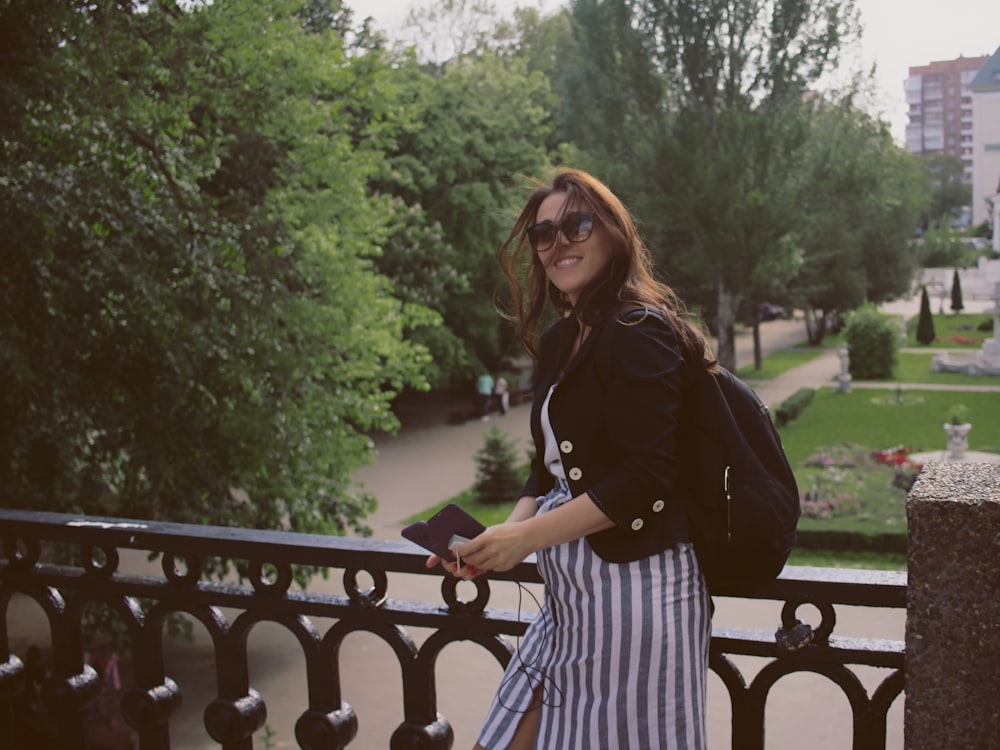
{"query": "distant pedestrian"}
(484, 388)
(105, 730)
(501, 391)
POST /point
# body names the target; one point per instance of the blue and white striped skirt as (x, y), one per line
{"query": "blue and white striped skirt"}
(619, 652)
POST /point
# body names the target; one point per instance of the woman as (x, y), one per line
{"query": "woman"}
(617, 657)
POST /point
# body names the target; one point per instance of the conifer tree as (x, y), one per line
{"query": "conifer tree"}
(925, 324)
(956, 294)
(497, 479)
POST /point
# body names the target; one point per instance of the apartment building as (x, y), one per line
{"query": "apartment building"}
(940, 109)
(985, 90)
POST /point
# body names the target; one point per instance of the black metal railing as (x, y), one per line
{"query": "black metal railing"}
(268, 560)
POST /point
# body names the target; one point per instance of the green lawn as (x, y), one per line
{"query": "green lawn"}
(915, 367)
(847, 559)
(852, 492)
(953, 331)
(880, 419)
(488, 515)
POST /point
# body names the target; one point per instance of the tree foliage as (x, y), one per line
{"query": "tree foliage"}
(498, 479)
(859, 196)
(456, 172)
(942, 246)
(947, 191)
(707, 100)
(235, 230)
(192, 329)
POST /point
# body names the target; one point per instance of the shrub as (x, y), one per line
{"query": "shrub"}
(957, 414)
(792, 406)
(497, 479)
(872, 343)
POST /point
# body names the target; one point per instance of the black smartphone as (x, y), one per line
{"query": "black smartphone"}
(436, 532)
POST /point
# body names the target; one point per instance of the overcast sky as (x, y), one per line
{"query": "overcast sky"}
(898, 34)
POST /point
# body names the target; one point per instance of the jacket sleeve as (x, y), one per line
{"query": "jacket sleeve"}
(642, 370)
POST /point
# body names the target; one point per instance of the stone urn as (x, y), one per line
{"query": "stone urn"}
(957, 431)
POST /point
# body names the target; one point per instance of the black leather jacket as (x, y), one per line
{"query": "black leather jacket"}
(615, 413)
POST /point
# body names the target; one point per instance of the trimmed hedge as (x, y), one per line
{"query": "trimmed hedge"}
(792, 406)
(846, 540)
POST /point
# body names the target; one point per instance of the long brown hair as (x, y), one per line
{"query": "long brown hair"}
(629, 277)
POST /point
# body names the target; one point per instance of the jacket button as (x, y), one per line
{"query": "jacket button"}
(637, 524)
(658, 506)
(575, 473)
(566, 446)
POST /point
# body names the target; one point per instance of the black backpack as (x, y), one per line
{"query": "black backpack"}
(740, 493)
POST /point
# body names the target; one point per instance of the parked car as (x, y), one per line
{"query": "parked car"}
(770, 311)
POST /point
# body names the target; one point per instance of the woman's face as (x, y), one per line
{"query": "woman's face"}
(571, 262)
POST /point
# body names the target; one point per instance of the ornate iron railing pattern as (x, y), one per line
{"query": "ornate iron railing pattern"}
(144, 603)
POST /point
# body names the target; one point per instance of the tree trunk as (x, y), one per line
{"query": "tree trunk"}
(725, 325)
(758, 357)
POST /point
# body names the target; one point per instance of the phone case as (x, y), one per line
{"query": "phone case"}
(435, 533)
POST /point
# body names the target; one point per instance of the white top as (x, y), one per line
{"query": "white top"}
(553, 461)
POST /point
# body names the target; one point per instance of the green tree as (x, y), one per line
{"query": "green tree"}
(191, 326)
(946, 188)
(859, 196)
(704, 102)
(942, 246)
(925, 323)
(956, 293)
(497, 477)
(456, 173)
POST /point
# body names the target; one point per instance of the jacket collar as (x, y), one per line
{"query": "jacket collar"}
(567, 330)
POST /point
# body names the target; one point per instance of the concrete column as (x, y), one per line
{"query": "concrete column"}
(996, 222)
(953, 609)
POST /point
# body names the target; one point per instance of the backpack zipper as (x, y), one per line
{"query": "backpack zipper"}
(729, 509)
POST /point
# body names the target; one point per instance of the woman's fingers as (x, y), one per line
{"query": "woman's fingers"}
(463, 571)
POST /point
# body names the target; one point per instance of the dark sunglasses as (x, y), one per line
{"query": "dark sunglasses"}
(575, 227)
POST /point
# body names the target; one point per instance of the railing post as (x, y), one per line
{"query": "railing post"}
(953, 608)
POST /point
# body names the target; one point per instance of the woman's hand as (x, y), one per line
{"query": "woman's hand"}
(465, 572)
(524, 509)
(498, 548)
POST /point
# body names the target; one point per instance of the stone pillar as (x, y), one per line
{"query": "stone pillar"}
(953, 609)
